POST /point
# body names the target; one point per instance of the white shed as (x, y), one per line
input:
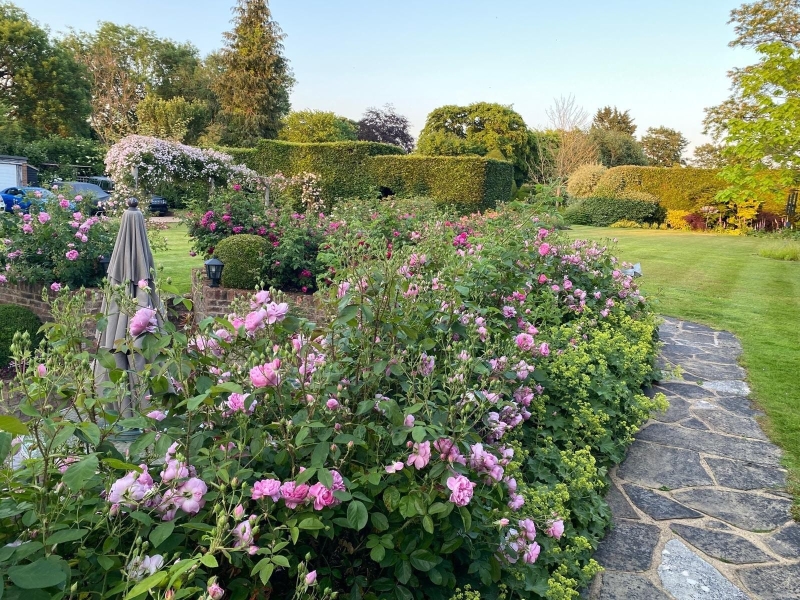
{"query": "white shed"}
(13, 171)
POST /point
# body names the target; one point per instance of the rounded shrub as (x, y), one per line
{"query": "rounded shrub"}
(602, 212)
(243, 256)
(12, 319)
(676, 219)
(584, 180)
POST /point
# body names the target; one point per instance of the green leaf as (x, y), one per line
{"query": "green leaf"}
(377, 553)
(161, 532)
(5, 445)
(403, 593)
(13, 425)
(121, 465)
(424, 560)
(306, 475)
(320, 454)
(436, 508)
(196, 401)
(427, 523)
(63, 434)
(418, 433)
(146, 584)
(143, 518)
(451, 545)
(402, 571)
(105, 562)
(44, 573)
(78, 474)
(142, 442)
(311, 523)
(379, 521)
(357, 515)
(349, 313)
(91, 431)
(465, 517)
(65, 535)
(391, 498)
(436, 576)
(325, 477)
(301, 436)
(281, 561)
(209, 561)
(407, 507)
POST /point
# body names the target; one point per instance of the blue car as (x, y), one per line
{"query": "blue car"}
(25, 196)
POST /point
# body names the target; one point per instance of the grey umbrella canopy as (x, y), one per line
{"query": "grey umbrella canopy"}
(131, 262)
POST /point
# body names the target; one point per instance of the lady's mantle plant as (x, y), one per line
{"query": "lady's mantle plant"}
(417, 443)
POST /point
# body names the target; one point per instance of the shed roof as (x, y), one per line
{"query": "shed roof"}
(13, 159)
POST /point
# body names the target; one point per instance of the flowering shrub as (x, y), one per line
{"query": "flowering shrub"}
(450, 427)
(56, 243)
(161, 162)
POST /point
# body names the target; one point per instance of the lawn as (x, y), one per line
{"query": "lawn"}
(175, 260)
(722, 281)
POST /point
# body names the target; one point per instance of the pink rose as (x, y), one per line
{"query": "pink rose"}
(395, 467)
(532, 553)
(544, 349)
(421, 455)
(294, 495)
(143, 321)
(524, 341)
(215, 592)
(191, 495)
(43, 217)
(261, 298)
(255, 320)
(41, 370)
(516, 501)
(64, 203)
(409, 421)
(243, 533)
(322, 496)
(236, 403)
(332, 404)
(528, 528)
(342, 289)
(55, 286)
(28, 229)
(267, 488)
(311, 578)
(276, 312)
(461, 490)
(266, 375)
(556, 529)
(544, 249)
(143, 284)
(157, 415)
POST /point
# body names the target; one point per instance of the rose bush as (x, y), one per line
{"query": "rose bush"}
(450, 426)
(55, 243)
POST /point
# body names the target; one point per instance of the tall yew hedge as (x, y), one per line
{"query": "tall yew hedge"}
(352, 169)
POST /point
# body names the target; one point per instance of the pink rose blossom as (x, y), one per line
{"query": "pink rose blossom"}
(266, 375)
(267, 488)
(293, 494)
(332, 404)
(143, 284)
(64, 203)
(41, 370)
(426, 364)
(236, 403)
(544, 349)
(243, 533)
(55, 286)
(260, 299)
(421, 455)
(276, 312)
(409, 421)
(516, 502)
(215, 592)
(322, 496)
(157, 415)
(143, 321)
(43, 217)
(28, 229)
(531, 553)
(544, 249)
(255, 320)
(190, 495)
(524, 341)
(395, 467)
(461, 489)
(528, 528)
(311, 578)
(556, 529)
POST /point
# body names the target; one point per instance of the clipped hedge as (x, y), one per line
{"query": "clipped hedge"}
(243, 256)
(584, 180)
(676, 189)
(341, 166)
(602, 212)
(12, 319)
(353, 169)
(471, 182)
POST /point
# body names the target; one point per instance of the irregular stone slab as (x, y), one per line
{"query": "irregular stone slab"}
(712, 443)
(684, 390)
(697, 328)
(656, 466)
(786, 542)
(688, 577)
(725, 422)
(619, 505)
(694, 424)
(688, 337)
(727, 387)
(710, 371)
(657, 506)
(678, 409)
(744, 476)
(724, 546)
(745, 510)
(628, 547)
(778, 582)
(718, 525)
(627, 586)
(739, 405)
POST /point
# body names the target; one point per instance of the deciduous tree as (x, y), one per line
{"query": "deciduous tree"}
(617, 148)
(664, 147)
(316, 126)
(386, 126)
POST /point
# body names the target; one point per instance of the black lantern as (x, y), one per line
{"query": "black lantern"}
(214, 271)
(104, 262)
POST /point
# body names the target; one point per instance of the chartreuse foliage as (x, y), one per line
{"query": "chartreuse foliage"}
(451, 426)
(602, 212)
(359, 169)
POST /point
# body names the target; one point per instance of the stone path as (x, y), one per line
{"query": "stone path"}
(699, 505)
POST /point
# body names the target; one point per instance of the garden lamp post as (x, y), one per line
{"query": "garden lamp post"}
(214, 268)
(104, 262)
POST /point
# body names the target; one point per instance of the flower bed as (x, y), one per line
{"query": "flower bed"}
(451, 426)
(56, 244)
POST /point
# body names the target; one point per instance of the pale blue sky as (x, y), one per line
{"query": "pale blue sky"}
(665, 60)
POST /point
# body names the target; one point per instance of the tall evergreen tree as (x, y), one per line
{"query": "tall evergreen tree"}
(253, 89)
(613, 119)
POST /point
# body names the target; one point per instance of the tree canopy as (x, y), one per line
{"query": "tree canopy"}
(664, 147)
(316, 126)
(43, 87)
(386, 126)
(479, 128)
(613, 119)
(617, 148)
(254, 92)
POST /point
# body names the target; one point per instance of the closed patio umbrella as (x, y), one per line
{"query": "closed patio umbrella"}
(131, 262)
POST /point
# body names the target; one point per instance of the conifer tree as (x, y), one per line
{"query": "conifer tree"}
(255, 79)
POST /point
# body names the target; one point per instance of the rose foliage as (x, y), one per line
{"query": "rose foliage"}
(56, 242)
(450, 424)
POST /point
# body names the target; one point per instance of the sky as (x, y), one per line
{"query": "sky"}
(664, 60)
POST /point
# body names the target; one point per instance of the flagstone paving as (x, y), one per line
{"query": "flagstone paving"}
(699, 505)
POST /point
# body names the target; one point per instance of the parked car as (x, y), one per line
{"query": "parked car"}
(158, 204)
(90, 191)
(23, 197)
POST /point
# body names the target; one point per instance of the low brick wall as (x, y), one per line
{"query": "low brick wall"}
(30, 296)
(216, 302)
